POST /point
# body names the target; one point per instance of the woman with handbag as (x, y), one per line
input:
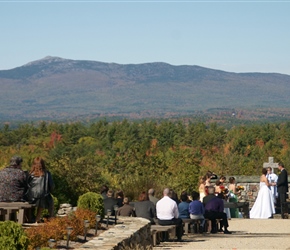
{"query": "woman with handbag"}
(40, 186)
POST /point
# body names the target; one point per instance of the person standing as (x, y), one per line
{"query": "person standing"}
(282, 186)
(272, 178)
(233, 196)
(40, 186)
(167, 213)
(263, 207)
(13, 181)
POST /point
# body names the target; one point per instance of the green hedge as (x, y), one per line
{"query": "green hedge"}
(12, 236)
(93, 202)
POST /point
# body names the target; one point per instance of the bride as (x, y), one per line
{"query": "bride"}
(264, 204)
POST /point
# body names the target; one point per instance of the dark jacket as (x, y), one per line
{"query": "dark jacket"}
(213, 203)
(125, 210)
(145, 209)
(40, 186)
(282, 182)
(109, 203)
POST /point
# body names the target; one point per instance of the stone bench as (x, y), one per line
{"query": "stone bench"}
(157, 232)
(192, 223)
(19, 211)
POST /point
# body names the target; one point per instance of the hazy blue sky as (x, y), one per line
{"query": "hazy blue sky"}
(235, 36)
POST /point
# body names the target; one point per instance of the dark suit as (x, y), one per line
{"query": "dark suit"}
(214, 209)
(109, 203)
(282, 188)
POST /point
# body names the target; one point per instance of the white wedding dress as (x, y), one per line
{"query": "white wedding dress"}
(264, 205)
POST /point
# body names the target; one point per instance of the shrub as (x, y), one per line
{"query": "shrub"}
(12, 236)
(55, 228)
(76, 221)
(92, 201)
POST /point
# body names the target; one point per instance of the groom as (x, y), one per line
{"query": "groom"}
(282, 187)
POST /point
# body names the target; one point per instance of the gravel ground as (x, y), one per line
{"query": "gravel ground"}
(246, 234)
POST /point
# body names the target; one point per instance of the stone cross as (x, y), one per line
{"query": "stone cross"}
(270, 164)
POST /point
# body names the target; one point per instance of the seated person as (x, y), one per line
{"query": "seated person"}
(214, 209)
(196, 209)
(144, 208)
(183, 206)
(110, 202)
(152, 198)
(13, 184)
(126, 209)
(167, 213)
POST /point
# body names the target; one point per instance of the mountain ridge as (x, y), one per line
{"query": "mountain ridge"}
(56, 88)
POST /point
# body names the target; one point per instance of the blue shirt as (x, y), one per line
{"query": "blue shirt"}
(183, 209)
(196, 207)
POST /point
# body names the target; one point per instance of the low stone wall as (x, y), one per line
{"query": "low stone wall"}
(129, 233)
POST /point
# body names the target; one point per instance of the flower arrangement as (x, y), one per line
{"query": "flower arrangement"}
(240, 188)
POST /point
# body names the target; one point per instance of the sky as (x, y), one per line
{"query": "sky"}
(234, 36)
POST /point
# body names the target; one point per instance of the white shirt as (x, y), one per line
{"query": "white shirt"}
(166, 209)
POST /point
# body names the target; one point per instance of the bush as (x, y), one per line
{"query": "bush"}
(12, 236)
(55, 228)
(92, 201)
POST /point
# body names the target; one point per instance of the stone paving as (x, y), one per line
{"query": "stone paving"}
(246, 234)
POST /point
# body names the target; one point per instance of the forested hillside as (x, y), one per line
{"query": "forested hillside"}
(134, 156)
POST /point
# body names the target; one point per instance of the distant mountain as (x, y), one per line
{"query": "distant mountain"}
(57, 88)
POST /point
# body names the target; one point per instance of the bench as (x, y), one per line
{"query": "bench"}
(242, 206)
(157, 232)
(192, 223)
(18, 211)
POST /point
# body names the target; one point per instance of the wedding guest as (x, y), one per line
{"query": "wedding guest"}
(110, 202)
(167, 213)
(196, 209)
(214, 209)
(223, 180)
(152, 198)
(144, 208)
(217, 186)
(233, 196)
(173, 195)
(120, 198)
(40, 187)
(201, 187)
(13, 184)
(208, 176)
(104, 191)
(126, 209)
(183, 206)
